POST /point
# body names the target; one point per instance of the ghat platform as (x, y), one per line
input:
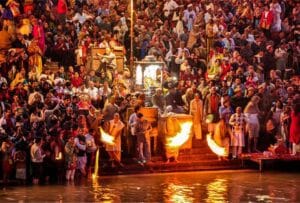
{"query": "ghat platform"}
(264, 162)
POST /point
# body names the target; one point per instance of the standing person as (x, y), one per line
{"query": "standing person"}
(189, 16)
(70, 158)
(57, 148)
(223, 129)
(210, 35)
(252, 128)
(90, 150)
(211, 108)
(158, 100)
(110, 109)
(295, 128)
(37, 160)
(20, 163)
(35, 56)
(38, 34)
(238, 122)
(196, 107)
(141, 128)
(285, 124)
(115, 129)
(276, 9)
(81, 152)
(132, 140)
(266, 21)
(7, 161)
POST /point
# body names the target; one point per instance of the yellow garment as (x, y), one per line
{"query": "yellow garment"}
(219, 56)
(18, 79)
(35, 58)
(26, 27)
(35, 61)
(210, 30)
(196, 108)
(193, 36)
(213, 71)
(220, 132)
(172, 126)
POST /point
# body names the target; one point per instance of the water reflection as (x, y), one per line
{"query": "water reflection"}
(103, 194)
(178, 192)
(217, 191)
(174, 187)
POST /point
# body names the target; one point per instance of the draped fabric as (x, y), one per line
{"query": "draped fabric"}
(196, 111)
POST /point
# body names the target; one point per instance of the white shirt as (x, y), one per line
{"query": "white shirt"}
(81, 17)
(132, 121)
(169, 6)
(93, 92)
(187, 14)
(106, 93)
(207, 17)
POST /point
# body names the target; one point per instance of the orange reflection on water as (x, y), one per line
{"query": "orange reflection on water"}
(217, 191)
(95, 174)
(178, 192)
(102, 194)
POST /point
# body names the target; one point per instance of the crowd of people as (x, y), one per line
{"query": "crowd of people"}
(236, 63)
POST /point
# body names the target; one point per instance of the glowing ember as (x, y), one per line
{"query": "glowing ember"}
(181, 137)
(106, 138)
(220, 151)
(95, 174)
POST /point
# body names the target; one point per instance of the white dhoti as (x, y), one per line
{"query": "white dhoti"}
(237, 138)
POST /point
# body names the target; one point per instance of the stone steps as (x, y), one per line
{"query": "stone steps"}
(190, 157)
(199, 158)
(161, 167)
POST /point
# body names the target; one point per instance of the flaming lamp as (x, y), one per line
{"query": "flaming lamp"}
(148, 74)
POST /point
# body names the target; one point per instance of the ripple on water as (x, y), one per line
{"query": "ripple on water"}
(179, 187)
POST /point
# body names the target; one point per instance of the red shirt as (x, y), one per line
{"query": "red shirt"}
(76, 82)
(61, 7)
(214, 104)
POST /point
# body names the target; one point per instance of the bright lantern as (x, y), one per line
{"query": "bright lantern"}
(220, 151)
(181, 137)
(106, 138)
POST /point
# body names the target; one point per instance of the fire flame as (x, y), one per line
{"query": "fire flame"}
(182, 136)
(106, 138)
(220, 151)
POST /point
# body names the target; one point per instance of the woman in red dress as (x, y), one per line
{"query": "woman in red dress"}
(295, 127)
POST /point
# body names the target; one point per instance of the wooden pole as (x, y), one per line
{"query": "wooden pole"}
(131, 36)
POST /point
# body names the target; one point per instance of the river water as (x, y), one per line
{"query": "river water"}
(219, 186)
